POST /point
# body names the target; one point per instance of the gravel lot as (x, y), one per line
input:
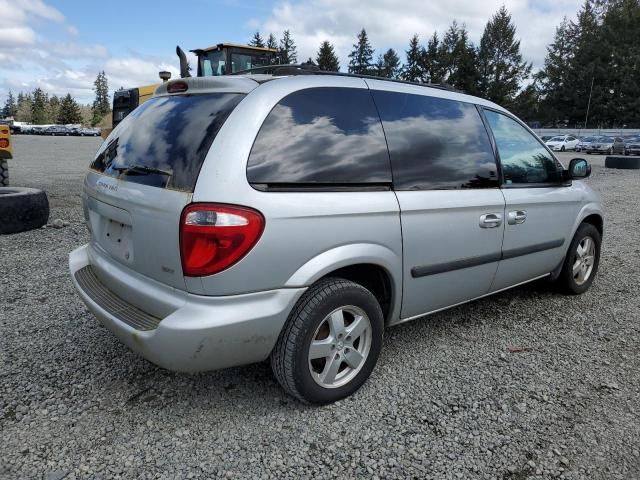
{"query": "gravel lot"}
(451, 397)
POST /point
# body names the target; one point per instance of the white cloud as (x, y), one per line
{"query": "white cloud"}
(391, 24)
(16, 36)
(64, 65)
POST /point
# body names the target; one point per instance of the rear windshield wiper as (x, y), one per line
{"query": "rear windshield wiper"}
(142, 170)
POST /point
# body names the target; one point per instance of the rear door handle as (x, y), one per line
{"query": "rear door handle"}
(490, 220)
(516, 217)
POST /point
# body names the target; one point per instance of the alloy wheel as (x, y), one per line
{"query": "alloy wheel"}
(340, 347)
(584, 261)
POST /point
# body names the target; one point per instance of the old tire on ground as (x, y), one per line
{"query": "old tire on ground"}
(22, 209)
(330, 342)
(4, 173)
(629, 163)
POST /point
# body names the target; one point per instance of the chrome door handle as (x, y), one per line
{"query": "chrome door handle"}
(490, 220)
(516, 217)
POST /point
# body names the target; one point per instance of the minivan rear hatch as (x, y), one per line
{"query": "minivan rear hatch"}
(145, 172)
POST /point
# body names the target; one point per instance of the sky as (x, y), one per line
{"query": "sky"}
(61, 45)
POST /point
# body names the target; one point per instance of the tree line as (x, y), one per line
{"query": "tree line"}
(494, 69)
(592, 70)
(589, 77)
(597, 55)
(38, 108)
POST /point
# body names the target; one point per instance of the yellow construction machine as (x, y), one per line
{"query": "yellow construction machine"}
(220, 59)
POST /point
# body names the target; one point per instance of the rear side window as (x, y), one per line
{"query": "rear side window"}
(523, 158)
(436, 143)
(164, 142)
(321, 136)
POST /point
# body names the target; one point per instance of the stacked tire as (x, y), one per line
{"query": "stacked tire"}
(627, 163)
(4, 173)
(22, 209)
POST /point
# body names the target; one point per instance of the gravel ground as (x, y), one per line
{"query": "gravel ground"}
(526, 384)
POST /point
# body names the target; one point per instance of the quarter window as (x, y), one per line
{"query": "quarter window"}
(323, 136)
(524, 159)
(435, 143)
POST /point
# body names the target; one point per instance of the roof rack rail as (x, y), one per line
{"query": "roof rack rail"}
(311, 69)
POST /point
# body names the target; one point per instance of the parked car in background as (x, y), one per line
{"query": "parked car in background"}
(199, 207)
(57, 130)
(561, 143)
(607, 145)
(89, 132)
(632, 146)
(545, 138)
(583, 143)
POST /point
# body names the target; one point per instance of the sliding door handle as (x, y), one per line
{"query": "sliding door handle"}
(516, 217)
(490, 220)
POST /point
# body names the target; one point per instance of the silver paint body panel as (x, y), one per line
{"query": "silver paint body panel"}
(235, 316)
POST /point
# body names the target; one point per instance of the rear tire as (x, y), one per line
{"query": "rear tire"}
(343, 322)
(581, 263)
(4, 173)
(22, 209)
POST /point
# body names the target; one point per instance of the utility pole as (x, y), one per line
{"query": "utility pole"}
(586, 119)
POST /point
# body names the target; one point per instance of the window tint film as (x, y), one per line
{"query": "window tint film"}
(523, 158)
(435, 143)
(321, 136)
(164, 141)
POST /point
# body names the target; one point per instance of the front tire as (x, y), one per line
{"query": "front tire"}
(330, 343)
(582, 261)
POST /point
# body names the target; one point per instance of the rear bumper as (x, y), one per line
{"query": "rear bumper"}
(193, 332)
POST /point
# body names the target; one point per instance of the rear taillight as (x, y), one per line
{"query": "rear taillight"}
(4, 143)
(214, 237)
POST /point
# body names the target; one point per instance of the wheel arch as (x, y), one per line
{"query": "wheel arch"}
(596, 220)
(376, 267)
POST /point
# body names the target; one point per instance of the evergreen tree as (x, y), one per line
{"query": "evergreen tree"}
(413, 70)
(500, 60)
(69, 111)
(431, 64)
(101, 104)
(256, 41)
(361, 58)
(465, 74)
(24, 107)
(526, 105)
(10, 107)
(621, 42)
(39, 107)
(449, 51)
(327, 58)
(287, 51)
(271, 42)
(552, 79)
(388, 65)
(54, 107)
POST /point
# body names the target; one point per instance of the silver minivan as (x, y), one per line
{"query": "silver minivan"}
(292, 218)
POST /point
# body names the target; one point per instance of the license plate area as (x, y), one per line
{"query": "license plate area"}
(116, 239)
(112, 229)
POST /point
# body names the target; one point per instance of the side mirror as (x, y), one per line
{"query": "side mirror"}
(579, 168)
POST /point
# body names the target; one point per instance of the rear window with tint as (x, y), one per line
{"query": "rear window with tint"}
(321, 136)
(164, 142)
(436, 143)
